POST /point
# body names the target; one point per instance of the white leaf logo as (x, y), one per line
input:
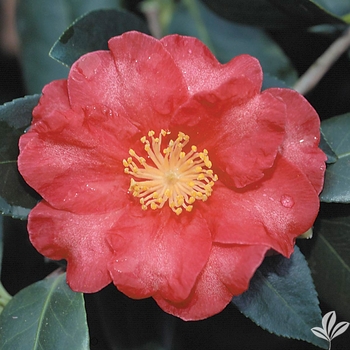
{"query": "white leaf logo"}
(329, 329)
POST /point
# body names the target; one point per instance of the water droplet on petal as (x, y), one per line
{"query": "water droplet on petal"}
(190, 51)
(107, 111)
(90, 188)
(287, 201)
(97, 113)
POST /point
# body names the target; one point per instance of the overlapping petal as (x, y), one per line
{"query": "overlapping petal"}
(156, 253)
(150, 85)
(74, 159)
(271, 212)
(73, 178)
(53, 94)
(80, 239)
(93, 80)
(201, 69)
(228, 272)
(300, 145)
(246, 129)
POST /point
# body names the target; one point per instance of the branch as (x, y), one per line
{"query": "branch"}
(315, 73)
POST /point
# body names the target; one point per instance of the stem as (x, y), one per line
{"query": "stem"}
(318, 69)
(329, 346)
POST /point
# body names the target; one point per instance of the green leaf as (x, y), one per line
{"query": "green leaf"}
(329, 259)
(228, 40)
(271, 81)
(91, 32)
(273, 13)
(45, 315)
(282, 298)
(327, 149)
(1, 240)
(337, 180)
(336, 7)
(16, 197)
(40, 23)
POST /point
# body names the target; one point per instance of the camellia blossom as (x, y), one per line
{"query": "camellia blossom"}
(169, 174)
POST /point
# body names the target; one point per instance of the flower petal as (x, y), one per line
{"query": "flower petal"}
(93, 80)
(53, 94)
(226, 274)
(88, 124)
(157, 252)
(149, 84)
(272, 212)
(241, 130)
(74, 160)
(300, 145)
(203, 71)
(54, 98)
(80, 239)
(73, 178)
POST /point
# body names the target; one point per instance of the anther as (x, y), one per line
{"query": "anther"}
(169, 175)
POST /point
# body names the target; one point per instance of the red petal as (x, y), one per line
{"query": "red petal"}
(80, 239)
(226, 274)
(302, 136)
(44, 115)
(149, 84)
(156, 252)
(54, 97)
(71, 182)
(93, 80)
(202, 70)
(89, 124)
(241, 130)
(74, 160)
(272, 212)
(74, 178)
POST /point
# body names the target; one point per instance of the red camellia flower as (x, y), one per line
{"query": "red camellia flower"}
(169, 174)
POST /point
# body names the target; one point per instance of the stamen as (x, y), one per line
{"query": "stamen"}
(169, 175)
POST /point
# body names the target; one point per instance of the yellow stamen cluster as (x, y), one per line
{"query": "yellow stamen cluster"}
(174, 176)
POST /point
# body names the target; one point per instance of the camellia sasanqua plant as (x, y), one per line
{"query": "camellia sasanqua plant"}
(178, 179)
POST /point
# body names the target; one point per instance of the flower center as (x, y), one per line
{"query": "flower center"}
(173, 176)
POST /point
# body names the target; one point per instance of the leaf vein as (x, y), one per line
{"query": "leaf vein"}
(42, 314)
